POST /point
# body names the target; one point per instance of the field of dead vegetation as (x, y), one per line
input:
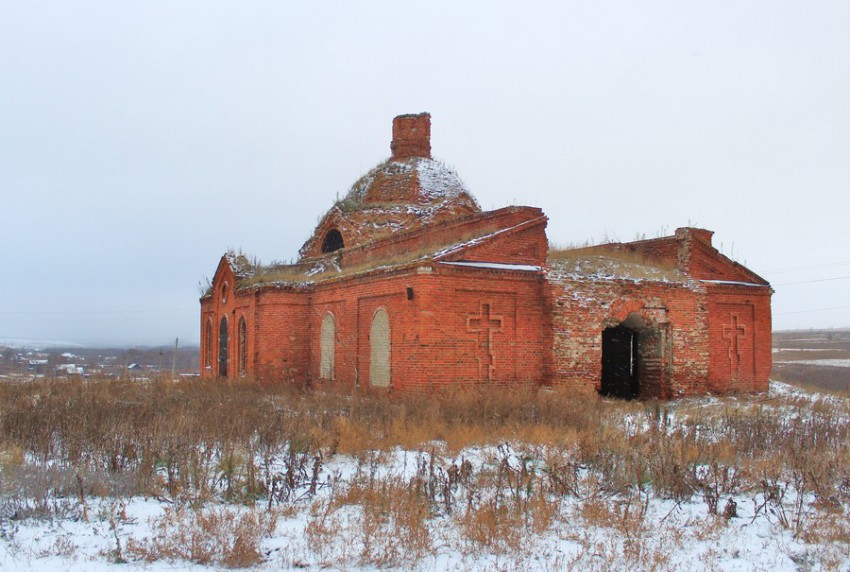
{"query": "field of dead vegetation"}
(169, 475)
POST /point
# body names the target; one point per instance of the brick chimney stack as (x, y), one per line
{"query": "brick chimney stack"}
(411, 136)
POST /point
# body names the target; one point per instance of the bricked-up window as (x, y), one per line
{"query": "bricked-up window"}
(243, 346)
(333, 241)
(208, 344)
(222, 348)
(327, 348)
(379, 340)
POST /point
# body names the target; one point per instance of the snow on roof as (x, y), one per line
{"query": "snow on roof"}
(396, 195)
(299, 275)
(310, 271)
(496, 266)
(437, 182)
(733, 283)
(239, 264)
(457, 246)
(596, 267)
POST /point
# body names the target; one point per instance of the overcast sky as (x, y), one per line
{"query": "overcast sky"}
(141, 140)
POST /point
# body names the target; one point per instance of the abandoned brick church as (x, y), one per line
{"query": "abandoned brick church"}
(407, 283)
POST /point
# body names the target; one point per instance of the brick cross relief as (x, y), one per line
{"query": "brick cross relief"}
(485, 325)
(734, 332)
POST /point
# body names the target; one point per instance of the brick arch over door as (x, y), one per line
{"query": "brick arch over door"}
(636, 350)
(380, 351)
(327, 348)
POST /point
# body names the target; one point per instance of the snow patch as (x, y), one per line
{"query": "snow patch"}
(732, 283)
(827, 362)
(496, 266)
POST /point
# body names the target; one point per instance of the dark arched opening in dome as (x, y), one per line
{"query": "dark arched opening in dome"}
(333, 241)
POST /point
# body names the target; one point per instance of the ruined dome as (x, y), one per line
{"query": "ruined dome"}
(407, 191)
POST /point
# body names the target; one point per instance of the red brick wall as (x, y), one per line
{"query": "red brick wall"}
(432, 340)
(583, 309)
(435, 338)
(234, 307)
(740, 338)
(454, 324)
(527, 244)
(479, 325)
(691, 251)
(282, 331)
(353, 301)
(284, 325)
(463, 227)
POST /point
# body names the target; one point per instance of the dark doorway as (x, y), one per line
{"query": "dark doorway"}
(620, 363)
(222, 348)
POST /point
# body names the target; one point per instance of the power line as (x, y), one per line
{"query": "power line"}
(811, 281)
(810, 267)
(807, 311)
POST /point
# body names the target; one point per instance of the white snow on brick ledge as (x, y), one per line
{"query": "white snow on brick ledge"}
(497, 266)
(731, 283)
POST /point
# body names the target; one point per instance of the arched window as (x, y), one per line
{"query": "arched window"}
(243, 346)
(327, 345)
(379, 339)
(208, 344)
(333, 241)
(224, 293)
(222, 347)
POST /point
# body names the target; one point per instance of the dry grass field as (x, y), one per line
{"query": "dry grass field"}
(244, 474)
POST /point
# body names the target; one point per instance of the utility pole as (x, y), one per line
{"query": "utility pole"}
(174, 360)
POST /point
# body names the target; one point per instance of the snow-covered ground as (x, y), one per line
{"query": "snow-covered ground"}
(673, 536)
(582, 531)
(782, 350)
(827, 362)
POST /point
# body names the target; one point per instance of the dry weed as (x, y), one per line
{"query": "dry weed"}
(389, 523)
(192, 443)
(497, 527)
(222, 536)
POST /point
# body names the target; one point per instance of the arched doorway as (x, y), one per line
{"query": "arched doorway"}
(222, 348)
(620, 365)
(379, 339)
(634, 357)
